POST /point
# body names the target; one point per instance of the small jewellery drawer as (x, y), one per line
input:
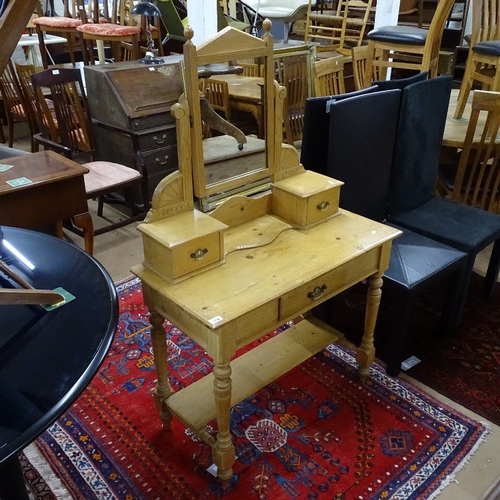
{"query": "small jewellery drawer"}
(306, 198)
(177, 247)
(195, 254)
(316, 291)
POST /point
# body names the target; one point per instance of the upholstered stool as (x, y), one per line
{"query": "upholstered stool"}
(65, 26)
(112, 33)
(416, 263)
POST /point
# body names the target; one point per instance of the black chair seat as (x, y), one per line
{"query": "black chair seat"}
(467, 228)
(399, 34)
(416, 259)
(487, 48)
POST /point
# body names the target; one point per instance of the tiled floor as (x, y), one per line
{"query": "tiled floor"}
(119, 250)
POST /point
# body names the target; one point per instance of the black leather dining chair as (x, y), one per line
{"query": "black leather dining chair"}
(412, 201)
(362, 136)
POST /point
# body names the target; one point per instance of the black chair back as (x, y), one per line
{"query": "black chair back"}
(314, 149)
(360, 150)
(422, 118)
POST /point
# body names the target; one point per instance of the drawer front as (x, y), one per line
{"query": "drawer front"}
(159, 138)
(316, 291)
(161, 160)
(322, 205)
(195, 254)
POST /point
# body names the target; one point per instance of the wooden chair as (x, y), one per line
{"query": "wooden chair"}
(24, 73)
(476, 180)
(64, 26)
(328, 76)
(340, 31)
(217, 94)
(250, 69)
(75, 140)
(291, 71)
(15, 104)
(483, 61)
(359, 57)
(120, 27)
(407, 47)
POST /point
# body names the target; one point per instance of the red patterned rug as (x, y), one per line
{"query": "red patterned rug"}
(332, 438)
(465, 367)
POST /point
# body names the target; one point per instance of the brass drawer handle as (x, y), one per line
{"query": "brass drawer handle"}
(317, 292)
(160, 162)
(199, 254)
(161, 140)
(323, 206)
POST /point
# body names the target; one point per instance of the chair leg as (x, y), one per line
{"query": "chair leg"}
(455, 296)
(100, 205)
(286, 32)
(400, 332)
(10, 123)
(465, 88)
(492, 272)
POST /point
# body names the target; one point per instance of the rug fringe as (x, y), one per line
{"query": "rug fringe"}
(48, 474)
(452, 477)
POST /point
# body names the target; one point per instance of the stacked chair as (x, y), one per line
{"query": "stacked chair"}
(483, 60)
(407, 47)
(392, 179)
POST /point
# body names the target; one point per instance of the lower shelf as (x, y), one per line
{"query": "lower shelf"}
(195, 404)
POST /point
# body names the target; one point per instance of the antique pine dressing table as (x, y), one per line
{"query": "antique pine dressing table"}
(228, 277)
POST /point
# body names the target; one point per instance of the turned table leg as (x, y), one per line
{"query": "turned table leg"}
(223, 452)
(163, 388)
(366, 351)
(84, 222)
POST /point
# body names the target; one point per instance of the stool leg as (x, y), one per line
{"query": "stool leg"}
(492, 273)
(455, 296)
(400, 333)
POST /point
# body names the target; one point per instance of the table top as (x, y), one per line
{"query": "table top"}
(256, 275)
(455, 130)
(26, 40)
(39, 168)
(47, 358)
(243, 87)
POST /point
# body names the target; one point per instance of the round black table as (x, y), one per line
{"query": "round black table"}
(47, 358)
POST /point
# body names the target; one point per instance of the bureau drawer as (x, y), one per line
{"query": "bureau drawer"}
(319, 289)
(158, 138)
(161, 160)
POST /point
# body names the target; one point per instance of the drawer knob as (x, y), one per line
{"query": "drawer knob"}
(323, 206)
(161, 140)
(199, 254)
(162, 162)
(317, 292)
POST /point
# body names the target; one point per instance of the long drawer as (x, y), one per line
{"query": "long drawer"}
(329, 284)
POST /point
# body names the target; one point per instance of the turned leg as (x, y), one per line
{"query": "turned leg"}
(163, 389)
(223, 452)
(84, 222)
(366, 351)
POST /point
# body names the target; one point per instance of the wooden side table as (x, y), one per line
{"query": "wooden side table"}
(45, 188)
